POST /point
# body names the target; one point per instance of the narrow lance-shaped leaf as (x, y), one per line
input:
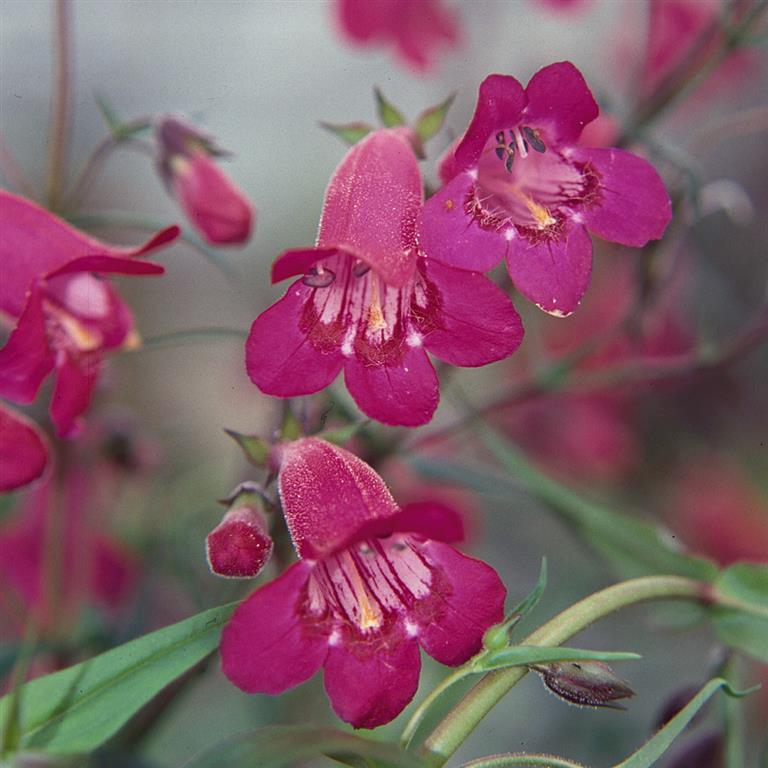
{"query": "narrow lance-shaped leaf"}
(389, 115)
(658, 744)
(431, 120)
(79, 708)
(525, 655)
(349, 133)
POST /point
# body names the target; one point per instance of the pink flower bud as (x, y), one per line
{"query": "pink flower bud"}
(217, 208)
(240, 546)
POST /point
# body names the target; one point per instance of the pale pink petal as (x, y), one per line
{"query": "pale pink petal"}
(476, 323)
(403, 392)
(553, 272)
(267, 647)
(559, 98)
(370, 683)
(23, 450)
(634, 206)
(328, 496)
(467, 599)
(280, 357)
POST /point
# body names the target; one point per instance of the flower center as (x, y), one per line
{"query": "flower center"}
(364, 584)
(525, 181)
(65, 331)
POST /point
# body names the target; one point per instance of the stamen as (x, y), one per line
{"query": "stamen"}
(317, 277)
(521, 142)
(370, 613)
(534, 138)
(541, 213)
(376, 321)
(360, 268)
(82, 337)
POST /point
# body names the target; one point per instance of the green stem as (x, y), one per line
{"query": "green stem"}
(191, 336)
(521, 758)
(467, 714)
(61, 103)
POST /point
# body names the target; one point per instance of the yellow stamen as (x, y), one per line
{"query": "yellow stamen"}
(541, 213)
(370, 613)
(376, 321)
(84, 338)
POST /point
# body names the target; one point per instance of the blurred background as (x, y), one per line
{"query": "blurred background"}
(259, 76)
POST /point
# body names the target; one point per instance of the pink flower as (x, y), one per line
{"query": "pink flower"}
(215, 206)
(373, 584)
(520, 186)
(66, 315)
(372, 302)
(23, 450)
(416, 28)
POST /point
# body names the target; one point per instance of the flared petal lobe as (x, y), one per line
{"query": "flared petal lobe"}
(23, 450)
(267, 647)
(372, 203)
(371, 683)
(328, 496)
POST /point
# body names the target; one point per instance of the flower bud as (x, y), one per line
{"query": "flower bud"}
(240, 546)
(214, 205)
(585, 683)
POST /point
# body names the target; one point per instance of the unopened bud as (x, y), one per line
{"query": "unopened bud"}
(496, 637)
(240, 545)
(585, 683)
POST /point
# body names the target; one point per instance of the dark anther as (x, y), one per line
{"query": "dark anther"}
(500, 152)
(500, 137)
(360, 268)
(510, 159)
(317, 279)
(534, 139)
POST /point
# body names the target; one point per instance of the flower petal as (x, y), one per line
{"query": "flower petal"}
(297, 262)
(464, 604)
(476, 321)
(267, 647)
(553, 273)
(35, 243)
(634, 206)
(430, 519)
(75, 382)
(372, 204)
(279, 356)
(401, 393)
(23, 450)
(451, 235)
(559, 96)
(26, 359)
(371, 683)
(500, 104)
(328, 496)
(109, 265)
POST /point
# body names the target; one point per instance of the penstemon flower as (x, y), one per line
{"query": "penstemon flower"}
(373, 584)
(66, 315)
(372, 302)
(416, 28)
(23, 450)
(519, 186)
(215, 206)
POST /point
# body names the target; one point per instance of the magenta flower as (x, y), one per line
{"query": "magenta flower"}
(66, 315)
(23, 450)
(372, 302)
(416, 28)
(215, 206)
(373, 584)
(521, 187)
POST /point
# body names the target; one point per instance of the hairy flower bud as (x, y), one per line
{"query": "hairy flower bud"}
(585, 683)
(214, 205)
(240, 546)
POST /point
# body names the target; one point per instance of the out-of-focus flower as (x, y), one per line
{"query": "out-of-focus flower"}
(240, 545)
(371, 302)
(519, 186)
(217, 208)
(719, 513)
(706, 751)
(373, 584)
(416, 28)
(23, 450)
(55, 558)
(66, 315)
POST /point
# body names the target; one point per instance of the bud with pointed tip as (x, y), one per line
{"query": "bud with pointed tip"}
(214, 205)
(586, 683)
(240, 546)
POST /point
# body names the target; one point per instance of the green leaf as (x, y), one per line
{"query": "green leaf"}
(634, 547)
(525, 655)
(525, 606)
(523, 758)
(655, 747)
(255, 448)
(389, 115)
(342, 435)
(277, 746)
(79, 708)
(741, 618)
(108, 112)
(349, 133)
(431, 120)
